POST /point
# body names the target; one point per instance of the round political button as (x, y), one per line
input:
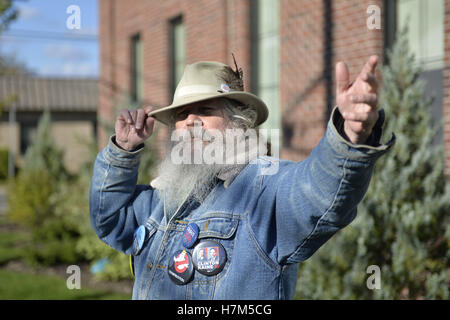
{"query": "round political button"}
(190, 235)
(209, 257)
(180, 267)
(138, 239)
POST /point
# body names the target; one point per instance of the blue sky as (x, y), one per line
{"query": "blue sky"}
(40, 39)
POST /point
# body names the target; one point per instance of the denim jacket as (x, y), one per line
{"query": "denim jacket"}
(267, 223)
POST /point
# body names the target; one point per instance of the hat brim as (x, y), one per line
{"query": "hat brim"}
(164, 114)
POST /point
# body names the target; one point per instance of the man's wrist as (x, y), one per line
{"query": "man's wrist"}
(373, 139)
(126, 146)
(353, 137)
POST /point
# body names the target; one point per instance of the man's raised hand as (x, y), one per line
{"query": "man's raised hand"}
(133, 127)
(358, 102)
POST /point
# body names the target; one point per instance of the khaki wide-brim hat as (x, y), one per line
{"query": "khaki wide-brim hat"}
(207, 80)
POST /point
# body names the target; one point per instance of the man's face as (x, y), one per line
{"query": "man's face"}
(206, 114)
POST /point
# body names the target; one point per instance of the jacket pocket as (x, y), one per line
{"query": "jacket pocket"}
(217, 227)
(220, 228)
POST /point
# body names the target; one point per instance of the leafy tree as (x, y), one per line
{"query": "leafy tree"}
(8, 13)
(10, 66)
(403, 222)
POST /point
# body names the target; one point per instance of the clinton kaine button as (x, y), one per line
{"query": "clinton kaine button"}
(209, 257)
(180, 268)
(138, 239)
(190, 235)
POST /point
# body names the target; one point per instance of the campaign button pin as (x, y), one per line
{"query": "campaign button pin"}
(224, 87)
(209, 257)
(190, 235)
(138, 239)
(180, 268)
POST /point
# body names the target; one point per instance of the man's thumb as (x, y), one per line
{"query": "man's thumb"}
(342, 77)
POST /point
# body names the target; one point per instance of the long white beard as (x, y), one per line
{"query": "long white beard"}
(180, 181)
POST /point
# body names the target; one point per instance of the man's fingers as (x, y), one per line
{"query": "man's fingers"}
(371, 80)
(140, 117)
(370, 65)
(125, 115)
(148, 109)
(342, 77)
(370, 98)
(359, 116)
(149, 124)
(133, 114)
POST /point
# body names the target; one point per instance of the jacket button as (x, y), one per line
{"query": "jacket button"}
(150, 265)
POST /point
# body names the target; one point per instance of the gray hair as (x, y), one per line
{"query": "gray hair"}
(241, 116)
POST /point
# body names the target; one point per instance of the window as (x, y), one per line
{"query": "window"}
(28, 131)
(178, 52)
(425, 21)
(136, 69)
(266, 57)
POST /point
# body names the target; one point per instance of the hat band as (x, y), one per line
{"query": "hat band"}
(195, 89)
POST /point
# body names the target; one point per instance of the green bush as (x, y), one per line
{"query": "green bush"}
(55, 207)
(72, 207)
(32, 202)
(72, 204)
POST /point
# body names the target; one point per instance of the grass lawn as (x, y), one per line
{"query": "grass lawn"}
(24, 286)
(8, 246)
(27, 286)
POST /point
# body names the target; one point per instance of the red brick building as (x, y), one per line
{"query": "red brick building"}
(287, 49)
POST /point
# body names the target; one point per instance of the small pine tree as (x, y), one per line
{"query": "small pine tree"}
(403, 222)
(32, 200)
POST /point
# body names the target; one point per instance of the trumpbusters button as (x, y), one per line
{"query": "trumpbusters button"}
(180, 269)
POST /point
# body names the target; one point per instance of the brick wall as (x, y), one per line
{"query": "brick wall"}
(315, 35)
(302, 86)
(214, 29)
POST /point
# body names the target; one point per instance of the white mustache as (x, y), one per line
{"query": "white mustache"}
(190, 134)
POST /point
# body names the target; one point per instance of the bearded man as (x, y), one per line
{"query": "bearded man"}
(260, 223)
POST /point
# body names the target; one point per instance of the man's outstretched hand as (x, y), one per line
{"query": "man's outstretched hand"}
(133, 127)
(358, 101)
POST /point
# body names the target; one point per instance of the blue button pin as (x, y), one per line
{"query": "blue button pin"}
(190, 235)
(138, 239)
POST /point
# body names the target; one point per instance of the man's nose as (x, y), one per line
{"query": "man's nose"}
(193, 120)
